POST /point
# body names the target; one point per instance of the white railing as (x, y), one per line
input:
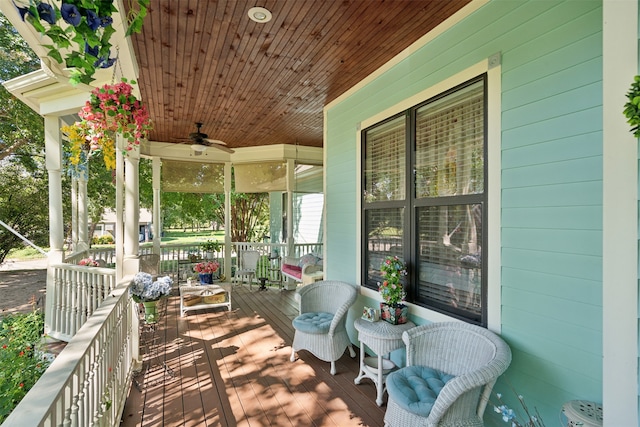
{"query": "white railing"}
(87, 384)
(73, 295)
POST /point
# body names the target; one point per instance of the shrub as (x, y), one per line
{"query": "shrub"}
(106, 239)
(21, 361)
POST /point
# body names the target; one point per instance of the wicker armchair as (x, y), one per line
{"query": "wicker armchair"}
(320, 327)
(467, 360)
(150, 263)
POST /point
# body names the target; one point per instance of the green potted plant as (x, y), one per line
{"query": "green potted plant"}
(210, 248)
(632, 107)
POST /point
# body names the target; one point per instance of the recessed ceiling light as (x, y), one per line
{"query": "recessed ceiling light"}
(259, 14)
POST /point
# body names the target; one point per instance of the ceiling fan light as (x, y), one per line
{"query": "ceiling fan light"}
(198, 148)
(259, 15)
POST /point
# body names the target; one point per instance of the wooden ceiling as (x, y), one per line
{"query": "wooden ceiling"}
(260, 84)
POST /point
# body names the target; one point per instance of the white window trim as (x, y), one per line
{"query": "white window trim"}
(493, 188)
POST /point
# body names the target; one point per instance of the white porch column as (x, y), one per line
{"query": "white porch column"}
(74, 214)
(119, 231)
(227, 220)
(291, 183)
(83, 214)
(157, 215)
(131, 212)
(620, 218)
(53, 148)
(53, 161)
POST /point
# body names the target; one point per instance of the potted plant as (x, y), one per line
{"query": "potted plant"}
(392, 291)
(206, 270)
(145, 291)
(210, 248)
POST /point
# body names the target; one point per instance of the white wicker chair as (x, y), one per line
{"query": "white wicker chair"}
(332, 299)
(150, 263)
(475, 356)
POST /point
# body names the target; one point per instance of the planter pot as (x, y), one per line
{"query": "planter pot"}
(206, 278)
(150, 311)
(394, 314)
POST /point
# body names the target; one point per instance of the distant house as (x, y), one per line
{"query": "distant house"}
(108, 225)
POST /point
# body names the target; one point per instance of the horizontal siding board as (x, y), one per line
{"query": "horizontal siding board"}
(561, 311)
(551, 218)
(568, 125)
(580, 98)
(583, 385)
(578, 146)
(571, 194)
(562, 264)
(567, 171)
(574, 76)
(560, 354)
(551, 33)
(580, 290)
(553, 332)
(579, 242)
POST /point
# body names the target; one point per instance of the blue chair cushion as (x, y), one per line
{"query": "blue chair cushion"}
(415, 388)
(313, 323)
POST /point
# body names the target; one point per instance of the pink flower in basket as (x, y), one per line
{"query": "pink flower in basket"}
(207, 267)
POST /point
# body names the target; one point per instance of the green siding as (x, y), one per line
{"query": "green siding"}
(551, 153)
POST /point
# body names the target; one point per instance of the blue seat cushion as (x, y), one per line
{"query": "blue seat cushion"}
(313, 322)
(415, 388)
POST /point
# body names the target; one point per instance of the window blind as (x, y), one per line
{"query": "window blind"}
(450, 144)
(384, 163)
(190, 177)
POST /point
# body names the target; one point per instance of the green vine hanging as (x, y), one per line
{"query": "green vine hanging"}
(632, 107)
(80, 28)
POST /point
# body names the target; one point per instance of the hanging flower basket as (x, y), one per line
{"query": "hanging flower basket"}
(81, 30)
(112, 109)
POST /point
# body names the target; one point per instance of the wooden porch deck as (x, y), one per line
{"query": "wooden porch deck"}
(233, 369)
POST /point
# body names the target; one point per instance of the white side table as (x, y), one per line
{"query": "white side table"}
(221, 288)
(382, 338)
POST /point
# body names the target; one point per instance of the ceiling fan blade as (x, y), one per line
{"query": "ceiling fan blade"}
(215, 141)
(221, 147)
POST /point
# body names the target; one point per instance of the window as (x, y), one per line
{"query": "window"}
(424, 200)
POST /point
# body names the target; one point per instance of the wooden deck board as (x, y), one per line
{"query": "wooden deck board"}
(233, 369)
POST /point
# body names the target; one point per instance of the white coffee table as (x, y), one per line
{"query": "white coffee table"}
(216, 289)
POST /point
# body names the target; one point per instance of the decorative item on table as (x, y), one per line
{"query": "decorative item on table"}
(206, 270)
(212, 297)
(370, 314)
(88, 262)
(147, 292)
(392, 291)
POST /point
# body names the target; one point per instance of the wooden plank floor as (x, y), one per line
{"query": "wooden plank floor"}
(233, 369)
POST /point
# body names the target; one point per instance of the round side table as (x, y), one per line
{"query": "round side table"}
(382, 338)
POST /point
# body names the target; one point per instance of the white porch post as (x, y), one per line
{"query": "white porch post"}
(620, 218)
(291, 177)
(119, 231)
(83, 214)
(74, 214)
(227, 220)
(132, 212)
(53, 161)
(157, 216)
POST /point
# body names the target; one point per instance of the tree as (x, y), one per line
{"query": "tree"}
(23, 206)
(249, 212)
